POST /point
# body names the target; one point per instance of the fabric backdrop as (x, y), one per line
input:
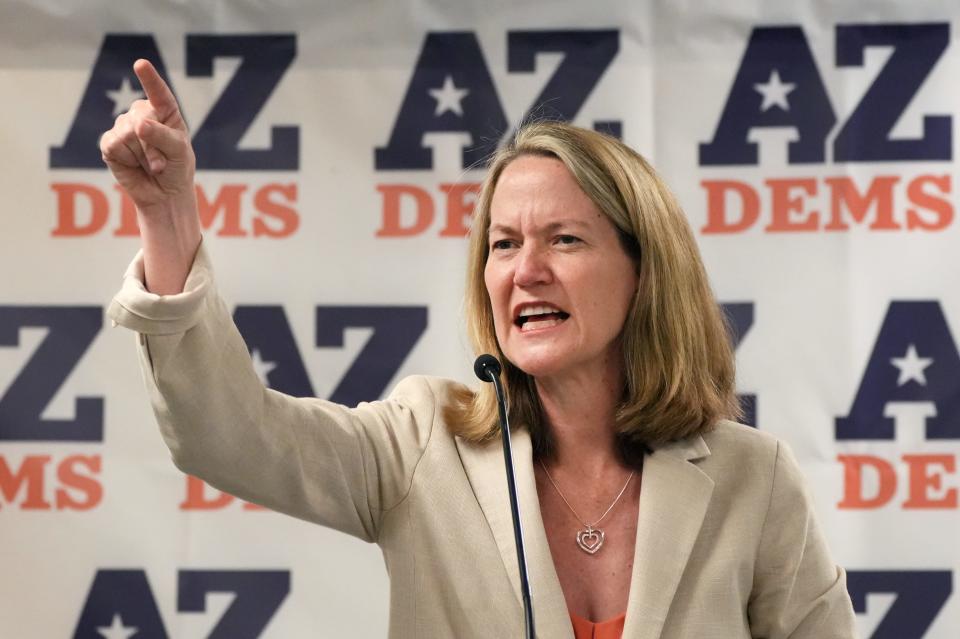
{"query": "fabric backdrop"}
(339, 147)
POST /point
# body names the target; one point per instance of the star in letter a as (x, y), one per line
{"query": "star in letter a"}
(774, 92)
(448, 97)
(117, 630)
(911, 367)
(124, 97)
(261, 367)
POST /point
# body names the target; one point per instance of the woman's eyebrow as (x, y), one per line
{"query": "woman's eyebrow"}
(500, 228)
(549, 228)
(565, 224)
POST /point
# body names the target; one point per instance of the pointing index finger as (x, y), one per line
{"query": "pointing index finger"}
(158, 93)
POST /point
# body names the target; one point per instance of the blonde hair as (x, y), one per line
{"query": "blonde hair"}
(678, 359)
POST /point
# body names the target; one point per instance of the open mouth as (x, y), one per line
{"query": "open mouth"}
(542, 316)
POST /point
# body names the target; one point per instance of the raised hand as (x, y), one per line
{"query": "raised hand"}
(148, 150)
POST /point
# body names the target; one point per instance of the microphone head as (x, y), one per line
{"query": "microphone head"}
(487, 367)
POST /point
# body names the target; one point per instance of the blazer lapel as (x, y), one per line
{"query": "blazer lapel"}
(674, 497)
(485, 471)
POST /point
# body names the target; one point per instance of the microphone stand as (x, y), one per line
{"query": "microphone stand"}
(487, 368)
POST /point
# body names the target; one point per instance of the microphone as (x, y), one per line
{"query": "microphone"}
(487, 367)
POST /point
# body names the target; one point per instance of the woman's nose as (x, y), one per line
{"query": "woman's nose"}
(532, 267)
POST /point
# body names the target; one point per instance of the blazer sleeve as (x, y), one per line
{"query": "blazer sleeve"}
(340, 467)
(798, 592)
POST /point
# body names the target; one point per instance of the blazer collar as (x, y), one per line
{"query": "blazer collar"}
(485, 470)
(674, 495)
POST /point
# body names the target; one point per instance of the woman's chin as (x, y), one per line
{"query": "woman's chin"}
(539, 367)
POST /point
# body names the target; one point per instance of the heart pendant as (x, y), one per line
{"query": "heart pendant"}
(590, 540)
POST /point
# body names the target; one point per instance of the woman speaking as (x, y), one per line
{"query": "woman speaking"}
(647, 512)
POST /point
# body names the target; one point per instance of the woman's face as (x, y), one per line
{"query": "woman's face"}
(559, 280)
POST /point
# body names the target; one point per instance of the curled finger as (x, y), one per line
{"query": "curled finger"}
(126, 133)
(142, 111)
(114, 151)
(165, 142)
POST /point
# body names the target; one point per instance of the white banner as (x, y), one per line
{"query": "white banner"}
(339, 149)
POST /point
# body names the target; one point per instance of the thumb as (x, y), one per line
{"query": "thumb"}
(161, 143)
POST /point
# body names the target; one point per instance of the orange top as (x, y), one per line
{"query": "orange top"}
(609, 629)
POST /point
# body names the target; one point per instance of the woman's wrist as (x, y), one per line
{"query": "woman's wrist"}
(170, 235)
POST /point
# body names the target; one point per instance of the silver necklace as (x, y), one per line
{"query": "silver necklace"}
(590, 538)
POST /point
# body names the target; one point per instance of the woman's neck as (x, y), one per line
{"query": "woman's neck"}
(581, 413)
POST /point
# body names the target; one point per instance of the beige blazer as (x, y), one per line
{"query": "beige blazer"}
(727, 545)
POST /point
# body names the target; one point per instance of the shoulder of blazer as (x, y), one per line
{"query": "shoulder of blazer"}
(733, 439)
(740, 453)
(426, 393)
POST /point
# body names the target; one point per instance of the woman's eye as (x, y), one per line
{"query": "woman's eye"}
(500, 245)
(567, 239)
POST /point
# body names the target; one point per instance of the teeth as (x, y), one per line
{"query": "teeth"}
(538, 310)
(530, 325)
